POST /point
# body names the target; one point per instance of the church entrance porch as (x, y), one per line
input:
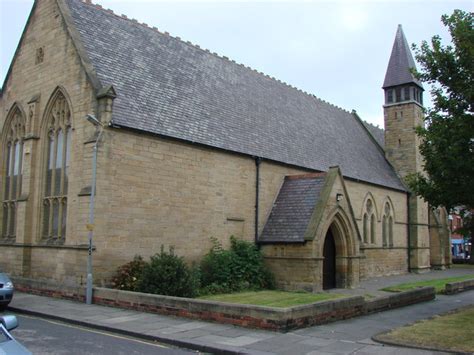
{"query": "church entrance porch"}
(311, 240)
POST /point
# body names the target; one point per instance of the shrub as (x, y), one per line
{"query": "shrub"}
(128, 275)
(239, 268)
(216, 267)
(168, 274)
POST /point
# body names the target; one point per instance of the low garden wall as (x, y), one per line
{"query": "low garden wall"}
(460, 286)
(269, 318)
(401, 299)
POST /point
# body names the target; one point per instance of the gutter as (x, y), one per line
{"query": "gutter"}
(258, 161)
(408, 233)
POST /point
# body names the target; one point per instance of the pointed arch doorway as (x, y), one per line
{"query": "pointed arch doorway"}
(329, 262)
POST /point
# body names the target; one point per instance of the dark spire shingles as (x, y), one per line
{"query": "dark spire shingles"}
(400, 63)
(168, 87)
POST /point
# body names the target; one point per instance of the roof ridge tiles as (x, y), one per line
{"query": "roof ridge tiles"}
(123, 16)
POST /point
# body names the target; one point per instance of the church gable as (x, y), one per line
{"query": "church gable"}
(46, 51)
(48, 84)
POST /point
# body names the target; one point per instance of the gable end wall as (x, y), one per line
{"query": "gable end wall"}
(60, 67)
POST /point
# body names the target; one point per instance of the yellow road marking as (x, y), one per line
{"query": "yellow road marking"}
(95, 331)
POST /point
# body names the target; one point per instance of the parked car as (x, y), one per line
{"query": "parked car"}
(8, 344)
(6, 291)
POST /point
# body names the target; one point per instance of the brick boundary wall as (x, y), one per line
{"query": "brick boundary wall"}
(268, 318)
(460, 286)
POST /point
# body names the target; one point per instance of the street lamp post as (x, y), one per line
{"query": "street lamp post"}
(90, 226)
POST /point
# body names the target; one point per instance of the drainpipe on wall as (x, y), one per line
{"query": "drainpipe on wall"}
(258, 160)
(408, 232)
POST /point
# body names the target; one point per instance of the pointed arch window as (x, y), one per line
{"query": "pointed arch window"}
(366, 228)
(372, 229)
(12, 172)
(387, 226)
(369, 223)
(58, 152)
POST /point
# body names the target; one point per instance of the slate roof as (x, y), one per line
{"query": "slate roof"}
(293, 208)
(377, 133)
(172, 88)
(401, 60)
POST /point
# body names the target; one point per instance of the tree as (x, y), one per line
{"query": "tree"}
(448, 135)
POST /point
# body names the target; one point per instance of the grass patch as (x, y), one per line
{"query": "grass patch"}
(272, 298)
(451, 332)
(438, 284)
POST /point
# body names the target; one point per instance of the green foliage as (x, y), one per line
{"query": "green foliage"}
(168, 274)
(221, 271)
(127, 275)
(239, 268)
(448, 136)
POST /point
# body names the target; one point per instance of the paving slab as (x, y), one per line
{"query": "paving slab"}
(342, 347)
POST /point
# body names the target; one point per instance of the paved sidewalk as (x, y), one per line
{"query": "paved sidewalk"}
(343, 337)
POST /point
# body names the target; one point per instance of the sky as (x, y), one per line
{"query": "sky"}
(337, 50)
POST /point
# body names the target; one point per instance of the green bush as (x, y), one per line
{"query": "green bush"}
(168, 274)
(239, 268)
(128, 275)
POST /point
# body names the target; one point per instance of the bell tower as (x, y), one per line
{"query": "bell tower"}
(403, 111)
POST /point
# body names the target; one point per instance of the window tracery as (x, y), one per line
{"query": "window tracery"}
(58, 152)
(369, 223)
(12, 172)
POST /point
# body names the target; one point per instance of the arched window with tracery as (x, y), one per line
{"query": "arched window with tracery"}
(387, 226)
(58, 152)
(369, 223)
(12, 171)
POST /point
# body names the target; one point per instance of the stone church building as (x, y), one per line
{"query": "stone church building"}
(191, 146)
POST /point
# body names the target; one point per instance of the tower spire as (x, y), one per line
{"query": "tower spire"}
(400, 63)
(403, 111)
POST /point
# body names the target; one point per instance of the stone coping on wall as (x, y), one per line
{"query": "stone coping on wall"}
(460, 286)
(45, 246)
(269, 318)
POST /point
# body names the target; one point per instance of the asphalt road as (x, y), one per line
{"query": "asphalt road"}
(42, 336)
